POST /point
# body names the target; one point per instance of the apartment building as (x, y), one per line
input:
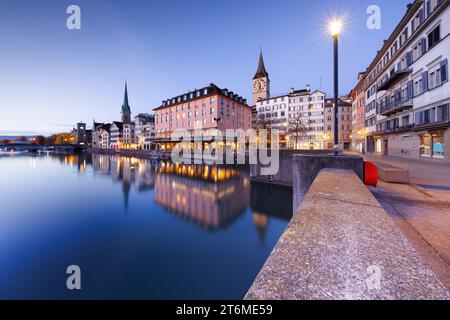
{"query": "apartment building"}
(116, 135)
(358, 98)
(144, 130)
(407, 88)
(208, 108)
(104, 136)
(345, 124)
(129, 136)
(309, 109)
(282, 111)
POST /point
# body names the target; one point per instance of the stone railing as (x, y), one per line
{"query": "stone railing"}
(341, 244)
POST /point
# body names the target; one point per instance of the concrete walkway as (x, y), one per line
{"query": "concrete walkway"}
(422, 209)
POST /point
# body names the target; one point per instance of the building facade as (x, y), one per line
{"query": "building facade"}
(208, 108)
(345, 123)
(104, 136)
(298, 106)
(96, 134)
(407, 88)
(144, 130)
(358, 98)
(116, 135)
(129, 136)
(83, 136)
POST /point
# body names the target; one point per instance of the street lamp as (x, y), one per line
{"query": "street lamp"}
(335, 27)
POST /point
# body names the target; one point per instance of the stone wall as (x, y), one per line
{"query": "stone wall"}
(341, 244)
(284, 176)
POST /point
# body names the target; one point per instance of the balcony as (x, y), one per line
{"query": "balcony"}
(396, 106)
(393, 78)
(395, 129)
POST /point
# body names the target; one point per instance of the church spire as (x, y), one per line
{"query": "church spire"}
(261, 72)
(125, 105)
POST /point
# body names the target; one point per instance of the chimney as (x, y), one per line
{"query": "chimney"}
(292, 90)
(308, 88)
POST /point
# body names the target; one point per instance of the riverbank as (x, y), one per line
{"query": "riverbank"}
(142, 154)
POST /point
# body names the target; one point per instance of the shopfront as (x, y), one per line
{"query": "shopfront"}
(432, 145)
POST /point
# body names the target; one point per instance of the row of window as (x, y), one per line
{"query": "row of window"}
(428, 80)
(293, 100)
(421, 15)
(432, 115)
(198, 94)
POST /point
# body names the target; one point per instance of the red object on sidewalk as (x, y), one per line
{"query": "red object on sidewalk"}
(370, 174)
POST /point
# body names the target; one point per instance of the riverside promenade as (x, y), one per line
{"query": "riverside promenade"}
(342, 244)
(421, 209)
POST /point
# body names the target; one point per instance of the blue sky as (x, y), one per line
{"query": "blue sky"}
(52, 77)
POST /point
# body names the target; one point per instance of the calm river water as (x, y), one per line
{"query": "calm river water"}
(136, 229)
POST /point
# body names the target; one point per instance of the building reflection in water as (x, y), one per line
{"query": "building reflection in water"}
(210, 196)
(269, 201)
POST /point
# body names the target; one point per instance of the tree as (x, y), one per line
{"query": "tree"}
(264, 124)
(39, 140)
(22, 139)
(298, 130)
(61, 138)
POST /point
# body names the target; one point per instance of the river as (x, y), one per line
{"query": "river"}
(137, 229)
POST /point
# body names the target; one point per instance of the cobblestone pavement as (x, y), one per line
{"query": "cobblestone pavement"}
(421, 209)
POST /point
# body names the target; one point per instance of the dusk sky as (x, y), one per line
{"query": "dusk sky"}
(52, 77)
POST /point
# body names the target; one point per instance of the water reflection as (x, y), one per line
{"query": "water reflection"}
(209, 196)
(139, 229)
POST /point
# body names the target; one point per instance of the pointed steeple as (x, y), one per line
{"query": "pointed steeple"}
(261, 72)
(125, 106)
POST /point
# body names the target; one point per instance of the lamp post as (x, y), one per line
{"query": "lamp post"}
(335, 29)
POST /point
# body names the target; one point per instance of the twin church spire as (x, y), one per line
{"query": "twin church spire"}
(261, 89)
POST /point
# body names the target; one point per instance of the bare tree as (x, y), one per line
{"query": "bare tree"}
(264, 124)
(297, 129)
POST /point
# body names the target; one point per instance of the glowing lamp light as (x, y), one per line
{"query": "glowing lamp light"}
(335, 27)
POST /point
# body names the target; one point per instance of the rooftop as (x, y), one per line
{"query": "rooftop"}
(199, 94)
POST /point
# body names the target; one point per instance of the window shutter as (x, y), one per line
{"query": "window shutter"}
(428, 8)
(421, 16)
(445, 112)
(417, 116)
(439, 113)
(410, 89)
(425, 81)
(444, 71)
(413, 25)
(423, 45)
(399, 66)
(409, 58)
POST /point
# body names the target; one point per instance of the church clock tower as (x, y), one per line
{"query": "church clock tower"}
(261, 82)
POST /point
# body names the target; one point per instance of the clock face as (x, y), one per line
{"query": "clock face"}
(259, 85)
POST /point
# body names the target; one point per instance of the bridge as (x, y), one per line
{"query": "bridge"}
(63, 148)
